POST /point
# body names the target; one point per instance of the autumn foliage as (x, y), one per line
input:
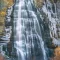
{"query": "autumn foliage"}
(57, 54)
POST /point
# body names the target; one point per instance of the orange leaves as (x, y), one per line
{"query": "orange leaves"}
(57, 54)
(1, 57)
(57, 51)
(10, 2)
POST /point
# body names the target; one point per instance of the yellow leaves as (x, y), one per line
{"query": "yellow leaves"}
(4, 5)
(2, 25)
(5, 1)
(38, 3)
(1, 30)
(2, 13)
(10, 2)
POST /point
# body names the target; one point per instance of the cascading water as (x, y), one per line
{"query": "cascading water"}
(35, 28)
(27, 32)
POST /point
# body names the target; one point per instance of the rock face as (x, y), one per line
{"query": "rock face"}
(57, 50)
(51, 32)
(58, 15)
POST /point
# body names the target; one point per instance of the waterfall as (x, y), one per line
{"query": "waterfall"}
(27, 32)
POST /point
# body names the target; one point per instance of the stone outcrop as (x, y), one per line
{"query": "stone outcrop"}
(51, 34)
